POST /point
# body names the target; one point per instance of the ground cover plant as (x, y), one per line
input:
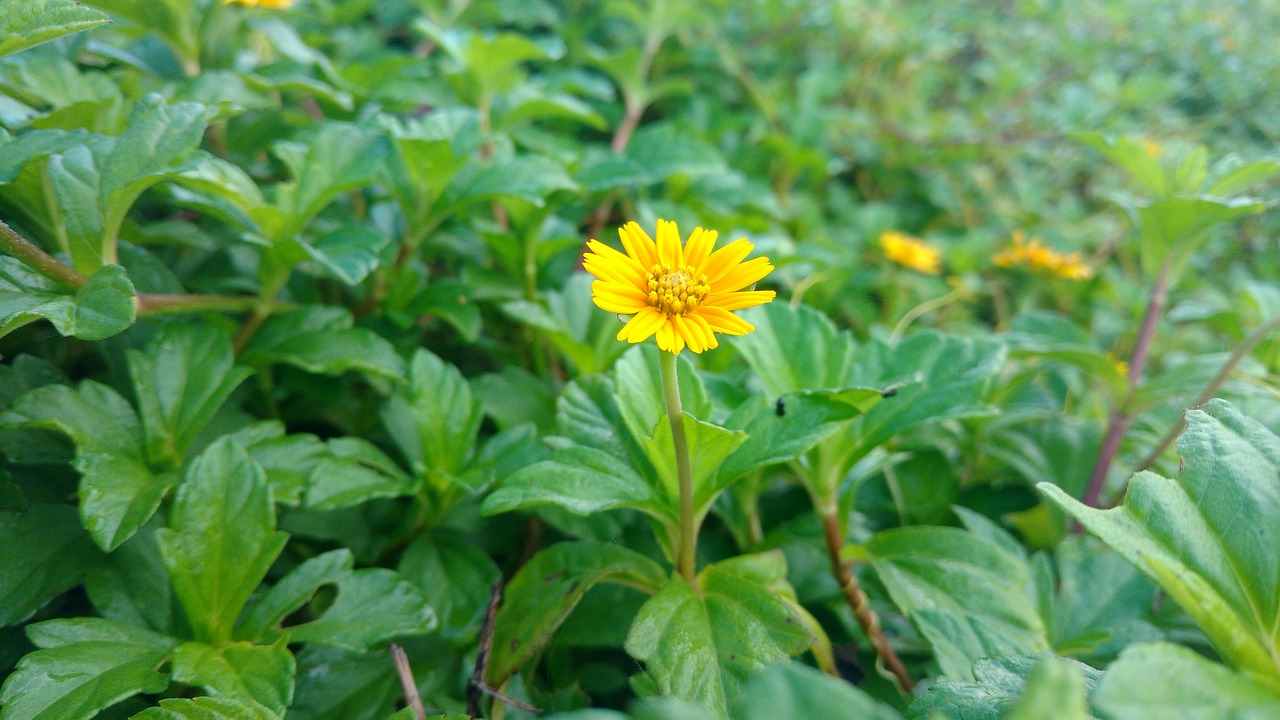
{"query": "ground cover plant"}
(638, 359)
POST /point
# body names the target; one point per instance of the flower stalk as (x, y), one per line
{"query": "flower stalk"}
(686, 552)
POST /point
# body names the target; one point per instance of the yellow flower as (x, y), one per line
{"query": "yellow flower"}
(683, 295)
(1032, 254)
(911, 252)
(268, 4)
(1152, 148)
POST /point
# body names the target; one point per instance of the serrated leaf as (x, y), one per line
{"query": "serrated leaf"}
(373, 606)
(55, 554)
(1210, 537)
(791, 691)
(221, 539)
(709, 445)
(997, 685)
(965, 594)
(579, 479)
(337, 683)
(531, 179)
(350, 253)
(239, 670)
(796, 348)
(103, 307)
(292, 592)
(434, 421)
(455, 577)
(1054, 689)
(182, 378)
(206, 708)
(1166, 680)
(638, 385)
(321, 339)
(84, 665)
(132, 585)
(702, 646)
(543, 593)
(334, 158)
(26, 23)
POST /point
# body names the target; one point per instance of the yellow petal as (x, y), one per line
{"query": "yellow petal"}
(639, 245)
(608, 254)
(699, 247)
(642, 326)
(669, 250)
(667, 337)
(739, 300)
(699, 324)
(748, 273)
(610, 271)
(725, 259)
(723, 321)
(688, 334)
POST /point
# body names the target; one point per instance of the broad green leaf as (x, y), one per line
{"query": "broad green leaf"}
(791, 691)
(709, 445)
(25, 23)
(103, 307)
(20, 150)
(997, 686)
(321, 339)
(435, 420)
(639, 394)
(568, 318)
(118, 490)
(337, 683)
(964, 594)
(1241, 177)
(96, 184)
(1173, 228)
(532, 179)
(239, 670)
(55, 554)
(455, 577)
(293, 591)
(579, 479)
(221, 539)
(656, 153)
(1209, 538)
(1054, 689)
(373, 606)
(1168, 681)
(703, 646)
(588, 413)
(1129, 154)
(350, 253)
(182, 378)
(783, 429)
(206, 708)
(132, 585)
(337, 482)
(333, 159)
(84, 665)
(796, 348)
(543, 593)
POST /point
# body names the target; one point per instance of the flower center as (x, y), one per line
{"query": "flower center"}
(675, 291)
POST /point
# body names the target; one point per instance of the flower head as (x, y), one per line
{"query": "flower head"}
(910, 252)
(1034, 255)
(682, 294)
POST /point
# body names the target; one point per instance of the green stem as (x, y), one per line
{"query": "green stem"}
(37, 259)
(174, 304)
(686, 554)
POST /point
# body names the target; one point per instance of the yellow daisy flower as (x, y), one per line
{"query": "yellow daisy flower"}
(683, 294)
(1034, 255)
(911, 252)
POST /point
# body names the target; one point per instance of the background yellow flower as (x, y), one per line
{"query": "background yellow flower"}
(911, 252)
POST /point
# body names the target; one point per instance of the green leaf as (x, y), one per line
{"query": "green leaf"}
(96, 184)
(337, 683)
(791, 691)
(1165, 680)
(84, 665)
(293, 591)
(704, 646)
(435, 420)
(338, 482)
(101, 308)
(26, 23)
(588, 413)
(55, 554)
(321, 339)
(1173, 228)
(455, 577)
(335, 157)
(1243, 176)
(372, 607)
(532, 179)
(963, 593)
(1054, 689)
(579, 479)
(350, 254)
(118, 491)
(796, 348)
(709, 445)
(182, 378)
(206, 708)
(221, 539)
(568, 318)
(133, 585)
(1129, 154)
(656, 153)
(997, 686)
(239, 670)
(1210, 537)
(639, 393)
(543, 593)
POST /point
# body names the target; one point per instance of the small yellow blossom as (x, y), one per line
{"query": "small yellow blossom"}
(682, 294)
(1034, 255)
(1122, 367)
(911, 252)
(268, 4)
(1153, 148)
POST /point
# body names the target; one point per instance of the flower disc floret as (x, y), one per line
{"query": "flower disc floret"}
(683, 294)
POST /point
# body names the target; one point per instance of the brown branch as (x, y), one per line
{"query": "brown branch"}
(407, 683)
(161, 304)
(888, 663)
(477, 686)
(38, 260)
